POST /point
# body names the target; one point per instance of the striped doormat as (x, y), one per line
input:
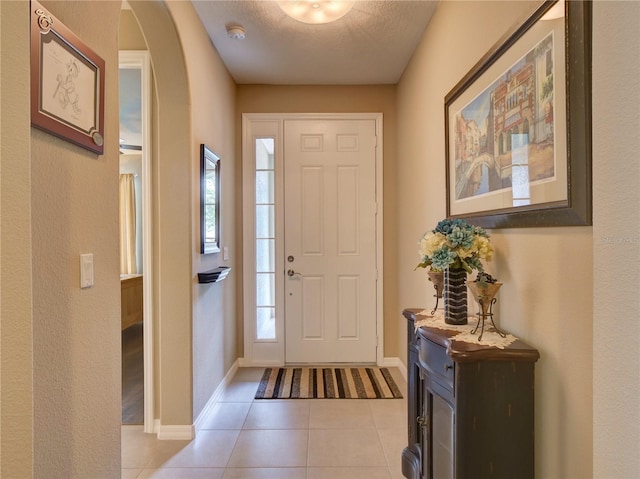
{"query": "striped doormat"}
(328, 383)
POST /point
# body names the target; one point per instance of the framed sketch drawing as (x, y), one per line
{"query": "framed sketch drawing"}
(67, 83)
(518, 126)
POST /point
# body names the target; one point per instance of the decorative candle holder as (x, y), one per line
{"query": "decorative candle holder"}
(437, 278)
(484, 293)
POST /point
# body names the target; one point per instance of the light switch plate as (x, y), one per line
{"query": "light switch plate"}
(86, 270)
(225, 253)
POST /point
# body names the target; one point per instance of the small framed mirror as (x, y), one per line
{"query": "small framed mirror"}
(209, 201)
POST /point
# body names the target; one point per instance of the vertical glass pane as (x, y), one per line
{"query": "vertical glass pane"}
(266, 323)
(265, 255)
(264, 153)
(265, 223)
(265, 289)
(265, 242)
(264, 187)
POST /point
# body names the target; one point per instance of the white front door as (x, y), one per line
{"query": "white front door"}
(330, 240)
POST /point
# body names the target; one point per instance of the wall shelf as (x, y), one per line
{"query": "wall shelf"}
(214, 275)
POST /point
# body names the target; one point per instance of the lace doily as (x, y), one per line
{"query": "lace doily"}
(489, 338)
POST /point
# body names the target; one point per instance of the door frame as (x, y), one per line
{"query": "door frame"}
(142, 59)
(260, 125)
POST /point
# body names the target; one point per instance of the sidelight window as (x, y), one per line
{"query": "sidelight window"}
(265, 239)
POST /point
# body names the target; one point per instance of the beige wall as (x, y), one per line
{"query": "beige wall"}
(76, 334)
(212, 117)
(129, 35)
(547, 272)
(16, 318)
(616, 238)
(340, 99)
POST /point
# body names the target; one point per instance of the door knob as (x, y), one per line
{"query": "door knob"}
(291, 273)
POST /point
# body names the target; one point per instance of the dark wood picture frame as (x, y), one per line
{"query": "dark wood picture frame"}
(209, 201)
(575, 209)
(67, 83)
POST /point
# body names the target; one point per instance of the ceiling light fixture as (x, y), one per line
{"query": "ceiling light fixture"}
(315, 11)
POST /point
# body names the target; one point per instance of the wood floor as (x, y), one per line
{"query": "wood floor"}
(132, 375)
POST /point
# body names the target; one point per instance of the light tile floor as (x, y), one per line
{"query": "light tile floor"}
(243, 438)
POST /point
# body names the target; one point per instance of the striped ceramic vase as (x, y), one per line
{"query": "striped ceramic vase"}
(455, 296)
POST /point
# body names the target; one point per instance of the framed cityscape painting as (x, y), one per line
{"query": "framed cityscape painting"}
(518, 126)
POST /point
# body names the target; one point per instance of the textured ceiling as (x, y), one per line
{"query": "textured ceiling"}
(371, 44)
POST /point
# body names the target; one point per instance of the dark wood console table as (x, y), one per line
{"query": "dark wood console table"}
(470, 407)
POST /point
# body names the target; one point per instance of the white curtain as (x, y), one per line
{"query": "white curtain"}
(128, 263)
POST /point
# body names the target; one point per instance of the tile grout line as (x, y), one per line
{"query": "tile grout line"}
(226, 466)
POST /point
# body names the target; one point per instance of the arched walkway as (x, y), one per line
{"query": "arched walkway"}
(171, 178)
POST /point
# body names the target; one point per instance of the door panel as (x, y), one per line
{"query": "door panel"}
(348, 299)
(311, 224)
(312, 308)
(330, 231)
(348, 210)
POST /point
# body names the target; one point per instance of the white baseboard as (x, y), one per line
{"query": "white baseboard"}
(395, 363)
(187, 432)
(217, 394)
(261, 364)
(181, 432)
